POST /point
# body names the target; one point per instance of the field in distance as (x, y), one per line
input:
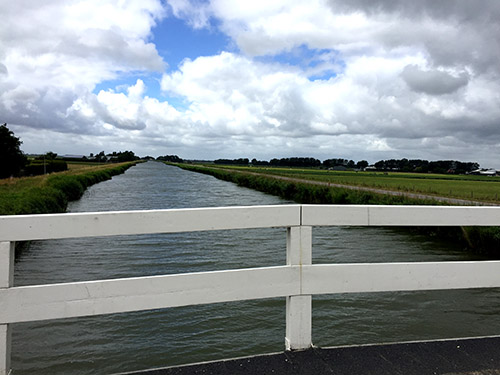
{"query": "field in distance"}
(471, 187)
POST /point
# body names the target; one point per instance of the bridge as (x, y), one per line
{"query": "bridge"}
(297, 280)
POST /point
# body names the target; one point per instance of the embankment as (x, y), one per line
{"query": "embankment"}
(51, 193)
(304, 192)
(481, 240)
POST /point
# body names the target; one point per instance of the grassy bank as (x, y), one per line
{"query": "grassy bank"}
(51, 193)
(481, 188)
(303, 192)
(484, 240)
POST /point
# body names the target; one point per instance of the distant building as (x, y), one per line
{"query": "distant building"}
(485, 172)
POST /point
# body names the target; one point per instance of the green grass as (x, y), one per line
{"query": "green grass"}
(480, 188)
(298, 191)
(51, 193)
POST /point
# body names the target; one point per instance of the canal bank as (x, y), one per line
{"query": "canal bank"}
(484, 240)
(51, 193)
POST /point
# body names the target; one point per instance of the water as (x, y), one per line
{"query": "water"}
(132, 341)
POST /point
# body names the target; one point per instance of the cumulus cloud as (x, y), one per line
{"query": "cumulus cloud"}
(377, 78)
(405, 72)
(433, 82)
(48, 66)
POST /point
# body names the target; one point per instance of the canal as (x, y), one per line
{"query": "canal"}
(132, 341)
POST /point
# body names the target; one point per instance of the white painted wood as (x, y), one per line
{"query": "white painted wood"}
(31, 303)
(382, 277)
(5, 348)
(299, 245)
(6, 264)
(434, 216)
(298, 333)
(297, 281)
(317, 215)
(33, 227)
(321, 215)
(6, 281)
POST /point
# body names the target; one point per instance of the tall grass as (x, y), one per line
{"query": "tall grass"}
(51, 193)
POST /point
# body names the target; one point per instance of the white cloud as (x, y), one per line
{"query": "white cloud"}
(376, 78)
(63, 49)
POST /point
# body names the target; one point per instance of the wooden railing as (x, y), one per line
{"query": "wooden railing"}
(297, 281)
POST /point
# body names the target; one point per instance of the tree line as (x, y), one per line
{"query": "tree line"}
(425, 166)
(399, 165)
(13, 162)
(113, 157)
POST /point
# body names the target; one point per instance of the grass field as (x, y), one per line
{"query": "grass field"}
(76, 165)
(481, 188)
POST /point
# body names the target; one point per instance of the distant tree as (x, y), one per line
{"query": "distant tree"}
(329, 163)
(259, 162)
(99, 158)
(125, 156)
(362, 164)
(241, 161)
(170, 158)
(12, 159)
(47, 156)
(424, 166)
(295, 162)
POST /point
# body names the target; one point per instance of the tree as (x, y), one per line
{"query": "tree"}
(362, 164)
(12, 159)
(170, 158)
(48, 156)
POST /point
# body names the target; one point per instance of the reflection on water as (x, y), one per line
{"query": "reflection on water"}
(131, 341)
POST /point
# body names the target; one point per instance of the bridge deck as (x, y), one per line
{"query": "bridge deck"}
(476, 356)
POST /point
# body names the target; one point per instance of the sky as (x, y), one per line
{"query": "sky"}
(355, 79)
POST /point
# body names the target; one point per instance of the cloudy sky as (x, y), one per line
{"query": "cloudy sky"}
(357, 79)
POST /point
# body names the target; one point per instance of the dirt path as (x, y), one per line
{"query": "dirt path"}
(454, 201)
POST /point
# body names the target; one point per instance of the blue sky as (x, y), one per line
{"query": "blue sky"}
(363, 79)
(175, 41)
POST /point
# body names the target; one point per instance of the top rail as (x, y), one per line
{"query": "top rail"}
(112, 223)
(374, 215)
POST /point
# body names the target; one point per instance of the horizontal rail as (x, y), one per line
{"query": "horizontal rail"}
(393, 277)
(367, 215)
(57, 301)
(53, 226)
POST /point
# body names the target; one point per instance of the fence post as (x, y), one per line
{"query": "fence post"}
(6, 281)
(298, 308)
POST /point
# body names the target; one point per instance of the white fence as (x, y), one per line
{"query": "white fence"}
(297, 281)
